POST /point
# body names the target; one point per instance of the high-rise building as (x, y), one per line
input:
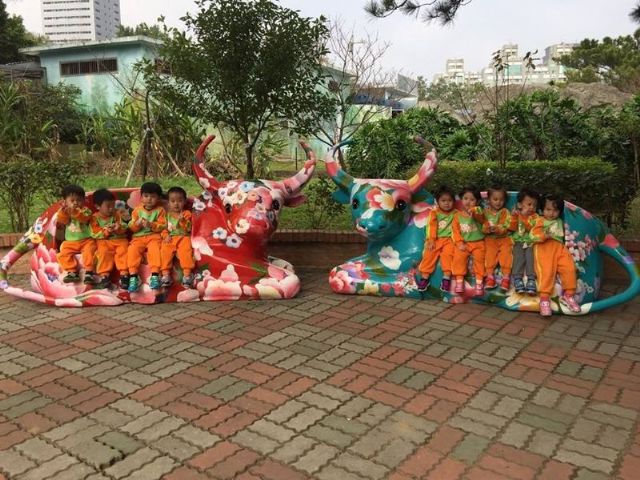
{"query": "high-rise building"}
(80, 20)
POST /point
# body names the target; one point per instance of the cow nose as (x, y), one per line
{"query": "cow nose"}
(371, 226)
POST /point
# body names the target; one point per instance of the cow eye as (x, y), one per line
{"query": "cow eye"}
(227, 207)
(275, 205)
(355, 203)
(401, 205)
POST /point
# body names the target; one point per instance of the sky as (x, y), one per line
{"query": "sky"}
(417, 48)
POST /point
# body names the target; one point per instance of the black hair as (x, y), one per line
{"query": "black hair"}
(444, 190)
(151, 187)
(556, 200)
(179, 190)
(102, 195)
(498, 188)
(526, 192)
(473, 190)
(72, 190)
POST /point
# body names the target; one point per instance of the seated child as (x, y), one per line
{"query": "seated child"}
(148, 220)
(438, 242)
(522, 220)
(553, 257)
(177, 238)
(468, 238)
(110, 232)
(497, 242)
(77, 235)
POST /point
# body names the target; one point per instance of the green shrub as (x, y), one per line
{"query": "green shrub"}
(20, 179)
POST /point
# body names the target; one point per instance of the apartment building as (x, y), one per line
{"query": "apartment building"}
(80, 20)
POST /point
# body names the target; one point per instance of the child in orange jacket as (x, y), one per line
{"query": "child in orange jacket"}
(552, 256)
(148, 220)
(522, 220)
(468, 238)
(177, 239)
(497, 242)
(438, 244)
(77, 236)
(110, 232)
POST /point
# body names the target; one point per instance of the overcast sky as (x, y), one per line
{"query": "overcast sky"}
(417, 48)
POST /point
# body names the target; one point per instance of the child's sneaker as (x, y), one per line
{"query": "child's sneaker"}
(187, 281)
(445, 285)
(154, 282)
(518, 284)
(545, 308)
(459, 287)
(124, 282)
(165, 282)
(570, 301)
(134, 283)
(531, 287)
(504, 284)
(423, 284)
(71, 277)
(88, 278)
(479, 290)
(103, 283)
(491, 282)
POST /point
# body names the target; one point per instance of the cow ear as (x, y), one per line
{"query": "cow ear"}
(421, 195)
(295, 201)
(341, 196)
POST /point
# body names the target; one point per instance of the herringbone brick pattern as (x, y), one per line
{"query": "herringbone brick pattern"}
(321, 387)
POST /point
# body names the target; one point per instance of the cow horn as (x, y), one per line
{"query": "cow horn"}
(341, 178)
(204, 178)
(291, 186)
(428, 167)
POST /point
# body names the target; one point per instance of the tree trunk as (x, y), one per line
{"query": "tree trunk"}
(341, 160)
(636, 161)
(248, 150)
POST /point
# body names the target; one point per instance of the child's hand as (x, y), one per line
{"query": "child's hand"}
(167, 239)
(462, 247)
(431, 245)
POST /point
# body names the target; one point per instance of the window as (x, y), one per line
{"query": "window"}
(89, 67)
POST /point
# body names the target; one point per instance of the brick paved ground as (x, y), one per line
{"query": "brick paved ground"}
(323, 386)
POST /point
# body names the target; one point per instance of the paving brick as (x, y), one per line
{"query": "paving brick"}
(14, 463)
(316, 458)
(294, 449)
(38, 450)
(50, 468)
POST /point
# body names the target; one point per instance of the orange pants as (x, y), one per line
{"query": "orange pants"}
(70, 248)
(498, 250)
(461, 257)
(110, 252)
(181, 248)
(443, 250)
(552, 257)
(137, 248)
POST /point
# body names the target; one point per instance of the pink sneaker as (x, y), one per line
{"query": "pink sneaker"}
(479, 290)
(459, 287)
(570, 302)
(545, 308)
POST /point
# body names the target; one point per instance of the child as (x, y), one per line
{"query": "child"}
(497, 243)
(551, 256)
(438, 242)
(148, 220)
(177, 239)
(522, 220)
(109, 230)
(77, 235)
(468, 239)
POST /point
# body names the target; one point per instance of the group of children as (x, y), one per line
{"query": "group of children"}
(525, 244)
(102, 238)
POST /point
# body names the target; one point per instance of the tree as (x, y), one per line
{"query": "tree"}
(356, 70)
(443, 11)
(615, 61)
(629, 121)
(153, 31)
(13, 36)
(635, 13)
(246, 65)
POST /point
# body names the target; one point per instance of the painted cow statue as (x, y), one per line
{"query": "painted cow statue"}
(232, 223)
(392, 215)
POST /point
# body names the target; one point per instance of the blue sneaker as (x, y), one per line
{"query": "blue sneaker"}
(154, 282)
(531, 287)
(518, 284)
(134, 283)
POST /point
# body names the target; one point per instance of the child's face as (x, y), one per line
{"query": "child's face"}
(527, 206)
(445, 202)
(469, 200)
(107, 208)
(176, 202)
(496, 200)
(550, 211)
(74, 201)
(149, 200)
